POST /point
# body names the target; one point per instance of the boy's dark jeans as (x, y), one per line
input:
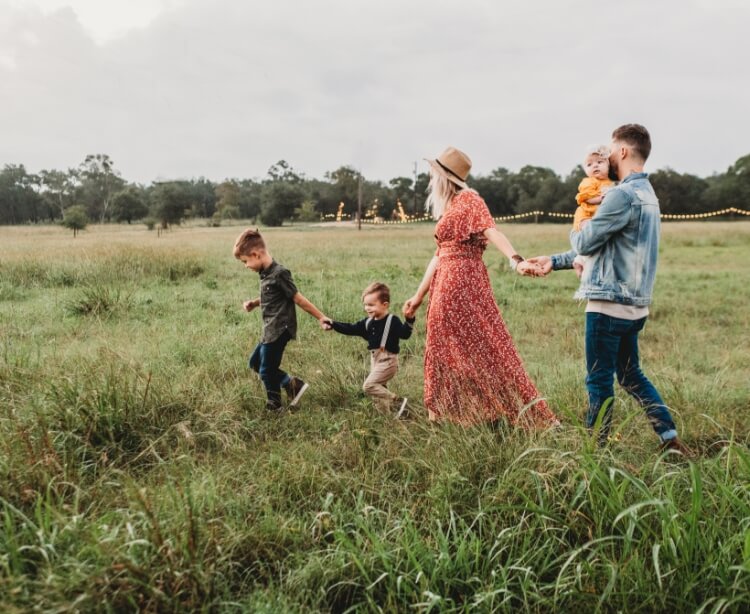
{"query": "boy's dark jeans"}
(266, 360)
(612, 347)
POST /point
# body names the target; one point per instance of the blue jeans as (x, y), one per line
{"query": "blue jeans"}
(266, 360)
(612, 347)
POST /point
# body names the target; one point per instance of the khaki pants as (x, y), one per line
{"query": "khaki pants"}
(383, 367)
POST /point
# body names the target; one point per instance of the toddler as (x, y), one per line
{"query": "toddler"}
(382, 331)
(591, 190)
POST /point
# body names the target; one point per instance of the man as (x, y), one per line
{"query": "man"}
(622, 240)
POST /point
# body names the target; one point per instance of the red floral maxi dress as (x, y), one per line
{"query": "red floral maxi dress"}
(472, 371)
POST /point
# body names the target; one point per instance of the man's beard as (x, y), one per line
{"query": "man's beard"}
(613, 172)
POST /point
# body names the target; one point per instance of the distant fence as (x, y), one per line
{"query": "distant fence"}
(537, 215)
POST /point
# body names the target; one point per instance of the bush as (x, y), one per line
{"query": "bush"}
(75, 218)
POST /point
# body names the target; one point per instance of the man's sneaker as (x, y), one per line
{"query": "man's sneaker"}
(675, 445)
(295, 389)
(402, 411)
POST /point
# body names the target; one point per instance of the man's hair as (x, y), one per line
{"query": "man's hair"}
(376, 287)
(247, 242)
(637, 137)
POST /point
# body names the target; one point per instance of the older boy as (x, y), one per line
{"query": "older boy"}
(278, 297)
(622, 240)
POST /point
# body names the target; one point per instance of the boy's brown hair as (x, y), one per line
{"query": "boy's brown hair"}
(376, 287)
(637, 137)
(247, 242)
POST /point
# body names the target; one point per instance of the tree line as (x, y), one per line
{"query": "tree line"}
(95, 191)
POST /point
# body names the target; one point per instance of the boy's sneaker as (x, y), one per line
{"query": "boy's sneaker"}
(675, 445)
(401, 408)
(295, 389)
(274, 405)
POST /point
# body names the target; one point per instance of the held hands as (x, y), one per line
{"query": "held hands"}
(529, 269)
(543, 265)
(411, 306)
(325, 323)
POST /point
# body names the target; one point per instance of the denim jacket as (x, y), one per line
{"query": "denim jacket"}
(622, 240)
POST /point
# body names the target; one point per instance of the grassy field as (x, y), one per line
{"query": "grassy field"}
(140, 470)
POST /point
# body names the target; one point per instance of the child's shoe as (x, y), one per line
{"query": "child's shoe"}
(295, 389)
(675, 445)
(273, 403)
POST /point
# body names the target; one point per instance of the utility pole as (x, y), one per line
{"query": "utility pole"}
(415, 188)
(359, 203)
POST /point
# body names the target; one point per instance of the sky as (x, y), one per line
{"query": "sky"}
(176, 89)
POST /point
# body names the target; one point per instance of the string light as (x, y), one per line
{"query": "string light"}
(701, 216)
(554, 214)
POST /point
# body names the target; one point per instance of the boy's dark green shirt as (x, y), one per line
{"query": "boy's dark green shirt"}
(277, 292)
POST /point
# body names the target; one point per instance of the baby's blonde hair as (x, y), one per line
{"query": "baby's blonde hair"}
(596, 150)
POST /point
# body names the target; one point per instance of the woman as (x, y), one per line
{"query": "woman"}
(472, 371)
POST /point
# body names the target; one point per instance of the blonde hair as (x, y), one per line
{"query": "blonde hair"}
(601, 151)
(441, 192)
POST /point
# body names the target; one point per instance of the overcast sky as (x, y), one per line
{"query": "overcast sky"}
(225, 88)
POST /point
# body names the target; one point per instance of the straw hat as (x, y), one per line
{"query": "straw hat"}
(454, 165)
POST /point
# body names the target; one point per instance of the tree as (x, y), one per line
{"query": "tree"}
(321, 193)
(250, 198)
(731, 189)
(306, 212)
(99, 181)
(228, 200)
(278, 202)
(283, 171)
(128, 205)
(202, 197)
(423, 181)
(402, 189)
(678, 193)
(169, 201)
(59, 188)
(495, 188)
(345, 187)
(376, 195)
(75, 218)
(527, 188)
(19, 198)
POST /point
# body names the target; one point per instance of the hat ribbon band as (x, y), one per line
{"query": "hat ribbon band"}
(447, 170)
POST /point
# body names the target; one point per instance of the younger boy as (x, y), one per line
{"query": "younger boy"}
(382, 331)
(278, 297)
(591, 190)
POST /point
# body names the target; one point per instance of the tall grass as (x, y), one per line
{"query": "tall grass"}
(142, 473)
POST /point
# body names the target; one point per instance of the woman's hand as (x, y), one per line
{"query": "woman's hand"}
(543, 262)
(529, 269)
(411, 306)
